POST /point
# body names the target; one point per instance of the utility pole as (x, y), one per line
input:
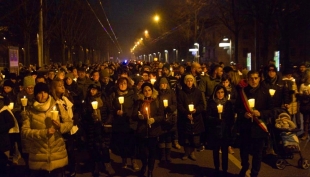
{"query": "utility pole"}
(40, 36)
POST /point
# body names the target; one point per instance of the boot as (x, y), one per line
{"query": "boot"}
(306, 132)
(242, 172)
(124, 162)
(176, 144)
(186, 153)
(135, 165)
(109, 169)
(150, 173)
(162, 155)
(192, 154)
(168, 152)
(96, 169)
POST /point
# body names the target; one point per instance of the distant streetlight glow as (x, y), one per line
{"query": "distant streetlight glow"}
(146, 32)
(156, 18)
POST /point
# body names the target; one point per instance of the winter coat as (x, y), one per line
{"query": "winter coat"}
(304, 99)
(83, 85)
(6, 123)
(46, 152)
(155, 110)
(220, 128)
(169, 122)
(292, 87)
(245, 126)
(124, 123)
(190, 96)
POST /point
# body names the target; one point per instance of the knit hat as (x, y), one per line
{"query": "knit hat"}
(146, 84)
(163, 80)
(40, 87)
(29, 81)
(95, 85)
(167, 66)
(104, 73)
(189, 76)
(69, 75)
(8, 83)
(137, 79)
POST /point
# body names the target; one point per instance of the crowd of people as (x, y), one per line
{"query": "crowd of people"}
(139, 111)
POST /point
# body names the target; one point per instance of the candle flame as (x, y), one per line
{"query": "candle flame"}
(54, 108)
(146, 109)
(24, 96)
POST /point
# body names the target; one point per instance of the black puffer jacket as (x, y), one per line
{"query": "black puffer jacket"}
(190, 96)
(155, 111)
(126, 122)
(6, 123)
(170, 119)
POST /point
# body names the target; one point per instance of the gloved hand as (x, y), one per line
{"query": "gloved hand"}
(150, 121)
(95, 117)
(140, 116)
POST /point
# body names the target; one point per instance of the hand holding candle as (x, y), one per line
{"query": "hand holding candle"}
(11, 106)
(165, 103)
(121, 101)
(148, 116)
(251, 104)
(95, 106)
(191, 109)
(54, 114)
(24, 102)
(220, 110)
(272, 92)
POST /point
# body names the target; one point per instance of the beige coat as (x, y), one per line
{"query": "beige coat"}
(46, 152)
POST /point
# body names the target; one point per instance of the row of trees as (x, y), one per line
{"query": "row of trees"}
(70, 27)
(279, 21)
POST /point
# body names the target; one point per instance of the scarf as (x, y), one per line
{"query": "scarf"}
(42, 107)
(259, 122)
(121, 92)
(222, 101)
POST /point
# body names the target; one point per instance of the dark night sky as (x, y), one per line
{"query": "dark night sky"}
(128, 17)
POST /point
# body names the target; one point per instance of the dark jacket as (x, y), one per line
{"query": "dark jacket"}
(190, 96)
(246, 127)
(170, 119)
(156, 111)
(220, 127)
(6, 123)
(126, 122)
(83, 85)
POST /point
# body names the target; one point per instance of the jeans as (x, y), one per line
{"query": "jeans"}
(148, 147)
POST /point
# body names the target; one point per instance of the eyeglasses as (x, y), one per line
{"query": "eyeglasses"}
(29, 88)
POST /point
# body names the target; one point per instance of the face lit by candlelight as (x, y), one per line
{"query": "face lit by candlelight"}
(220, 94)
(147, 91)
(60, 88)
(93, 91)
(42, 97)
(189, 82)
(123, 85)
(253, 80)
(163, 86)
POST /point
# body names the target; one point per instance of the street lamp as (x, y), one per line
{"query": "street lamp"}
(166, 55)
(159, 56)
(226, 43)
(156, 18)
(176, 55)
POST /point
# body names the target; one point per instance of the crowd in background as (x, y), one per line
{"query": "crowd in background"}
(140, 111)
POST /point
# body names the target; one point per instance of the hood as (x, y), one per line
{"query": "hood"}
(154, 95)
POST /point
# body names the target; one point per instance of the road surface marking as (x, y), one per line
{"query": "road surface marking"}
(234, 160)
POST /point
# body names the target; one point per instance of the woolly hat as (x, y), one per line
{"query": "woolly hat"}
(189, 76)
(104, 73)
(137, 79)
(167, 66)
(146, 84)
(40, 87)
(95, 85)
(69, 75)
(163, 80)
(8, 83)
(29, 81)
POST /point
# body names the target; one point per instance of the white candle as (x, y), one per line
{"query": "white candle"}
(75, 79)
(202, 73)
(24, 101)
(272, 92)
(165, 103)
(121, 100)
(228, 96)
(137, 74)
(219, 108)
(191, 107)
(251, 103)
(54, 113)
(153, 81)
(11, 105)
(3, 76)
(94, 104)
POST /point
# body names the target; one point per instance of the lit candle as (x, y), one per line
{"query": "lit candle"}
(137, 74)
(147, 115)
(272, 92)
(172, 73)
(54, 113)
(220, 108)
(11, 105)
(165, 103)
(228, 96)
(75, 79)
(191, 107)
(121, 101)
(24, 102)
(94, 105)
(153, 81)
(3, 76)
(251, 103)
(202, 73)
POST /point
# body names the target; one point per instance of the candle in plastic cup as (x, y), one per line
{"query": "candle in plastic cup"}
(24, 101)
(228, 96)
(3, 76)
(94, 104)
(11, 105)
(153, 81)
(54, 113)
(251, 103)
(272, 92)
(202, 73)
(219, 108)
(191, 107)
(165, 103)
(121, 100)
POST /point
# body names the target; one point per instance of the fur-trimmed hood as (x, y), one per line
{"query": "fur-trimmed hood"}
(142, 97)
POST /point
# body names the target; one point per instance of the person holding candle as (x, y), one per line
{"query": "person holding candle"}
(220, 118)
(123, 110)
(151, 113)
(47, 151)
(168, 97)
(252, 133)
(304, 99)
(93, 122)
(190, 123)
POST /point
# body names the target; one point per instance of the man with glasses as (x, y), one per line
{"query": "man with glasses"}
(251, 122)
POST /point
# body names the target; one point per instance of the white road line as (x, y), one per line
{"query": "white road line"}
(234, 160)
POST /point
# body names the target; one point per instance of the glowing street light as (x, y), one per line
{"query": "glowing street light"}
(226, 43)
(156, 18)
